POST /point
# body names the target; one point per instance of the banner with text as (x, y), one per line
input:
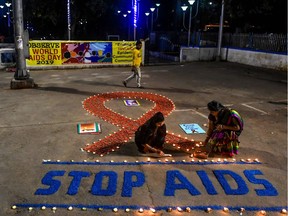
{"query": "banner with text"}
(45, 53)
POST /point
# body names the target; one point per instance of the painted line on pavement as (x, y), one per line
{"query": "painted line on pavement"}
(261, 111)
(193, 110)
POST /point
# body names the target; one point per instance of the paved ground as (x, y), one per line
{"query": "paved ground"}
(39, 140)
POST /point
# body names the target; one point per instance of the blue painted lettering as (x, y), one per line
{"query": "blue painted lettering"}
(207, 182)
(171, 186)
(76, 181)
(53, 183)
(98, 182)
(240, 190)
(269, 189)
(128, 183)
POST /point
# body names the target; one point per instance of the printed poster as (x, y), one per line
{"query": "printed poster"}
(192, 128)
(131, 103)
(88, 128)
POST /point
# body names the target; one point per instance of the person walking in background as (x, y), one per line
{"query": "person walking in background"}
(225, 127)
(150, 136)
(136, 63)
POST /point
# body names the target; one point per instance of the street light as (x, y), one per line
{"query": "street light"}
(191, 2)
(157, 8)
(147, 14)
(129, 19)
(152, 10)
(8, 5)
(220, 31)
(184, 8)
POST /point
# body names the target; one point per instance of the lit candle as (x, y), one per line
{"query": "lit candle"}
(225, 209)
(188, 209)
(70, 208)
(14, 207)
(169, 210)
(30, 209)
(263, 212)
(148, 159)
(284, 211)
(84, 209)
(127, 210)
(54, 209)
(208, 210)
(43, 208)
(152, 210)
(141, 210)
(115, 209)
(179, 209)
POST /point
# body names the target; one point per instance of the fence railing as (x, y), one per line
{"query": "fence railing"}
(259, 42)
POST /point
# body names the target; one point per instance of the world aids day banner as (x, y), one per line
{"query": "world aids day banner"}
(119, 185)
(57, 53)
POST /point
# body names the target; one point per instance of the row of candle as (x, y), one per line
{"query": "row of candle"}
(153, 210)
(167, 160)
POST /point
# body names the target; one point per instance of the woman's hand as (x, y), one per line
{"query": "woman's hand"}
(161, 153)
(220, 127)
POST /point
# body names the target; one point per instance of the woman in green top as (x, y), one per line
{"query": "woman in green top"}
(225, 127)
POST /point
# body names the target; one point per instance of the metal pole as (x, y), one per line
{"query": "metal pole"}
(189, 30)
(152, 22)
(21, 77)
(68, 19)
(220, 32)
(21, 72)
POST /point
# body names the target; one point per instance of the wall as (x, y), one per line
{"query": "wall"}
(254, 58)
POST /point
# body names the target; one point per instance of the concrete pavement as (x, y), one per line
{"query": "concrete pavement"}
(42, 165)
